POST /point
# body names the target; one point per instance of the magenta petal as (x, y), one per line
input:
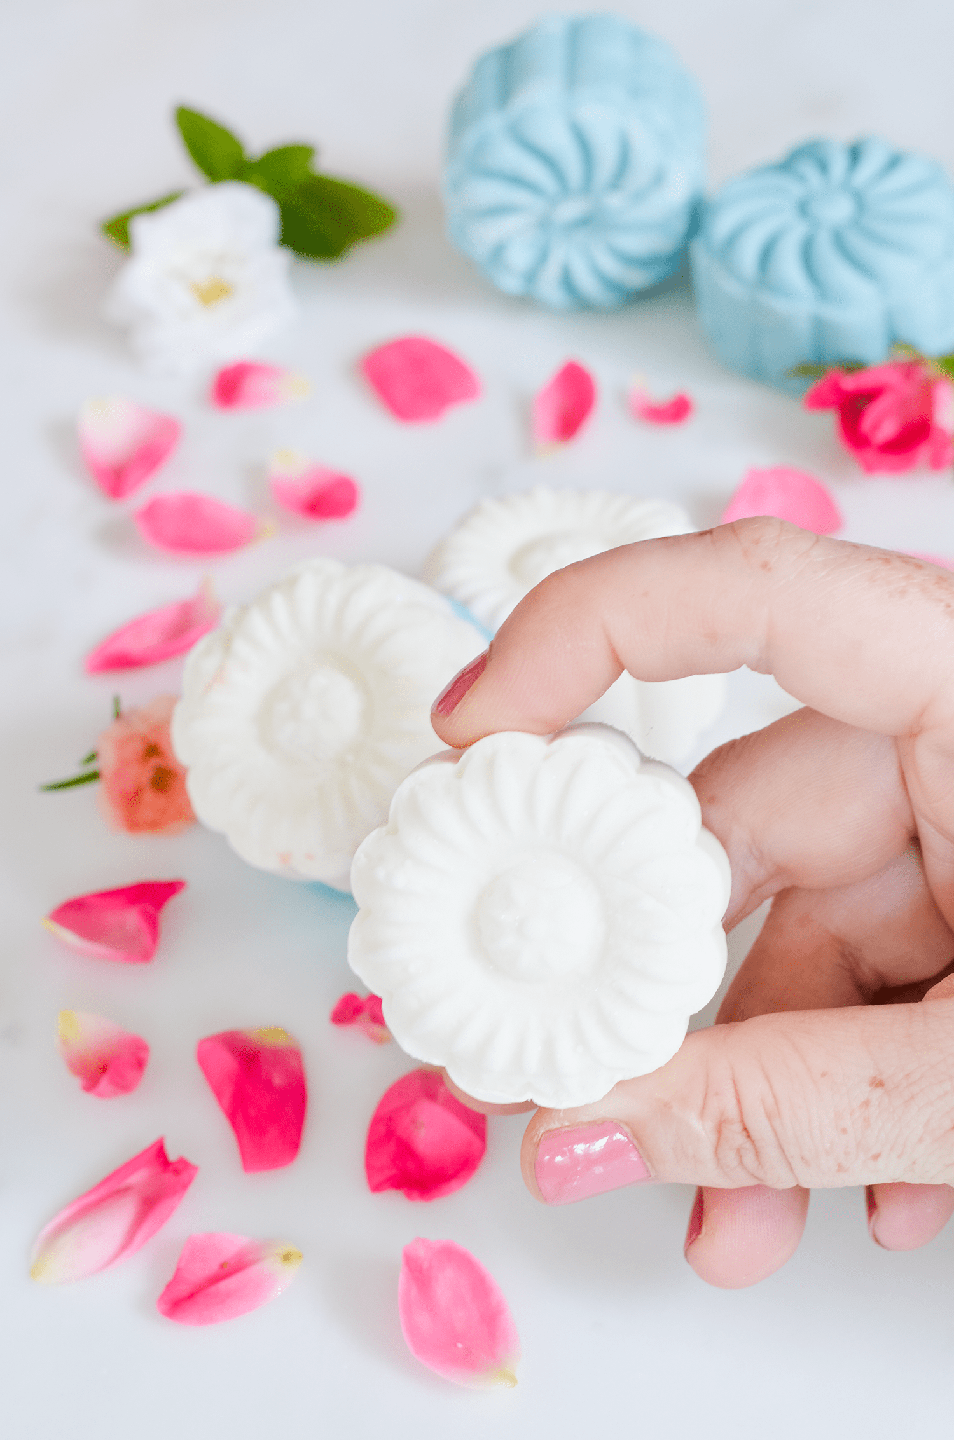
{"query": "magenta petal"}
(418, 379)
(158, 635)
(191, 524)
(258, 1078)
(107, 1060)
(114, 1219)
(422, 1140)
(248, 385)
(659, 412)
(364, 1013)
(115, 924)
(311, 490)
(123, 443)
(562, 406)
(786, 494)
(220, 1277)
(454, 1317)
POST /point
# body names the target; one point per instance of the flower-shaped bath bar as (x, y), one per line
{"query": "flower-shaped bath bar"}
(304, 711)
(575, 162)
(505, 546)
(541, 917)
(833, 254)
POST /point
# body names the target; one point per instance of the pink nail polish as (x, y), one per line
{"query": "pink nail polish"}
(585, 1160)
(450, 697)
(694, 1228)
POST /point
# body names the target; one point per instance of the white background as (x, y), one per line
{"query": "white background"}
(618, 1333)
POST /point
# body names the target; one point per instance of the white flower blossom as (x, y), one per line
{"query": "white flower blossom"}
(541, 917)
(207, 279)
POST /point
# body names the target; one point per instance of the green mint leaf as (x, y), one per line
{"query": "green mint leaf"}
(90, 758)
(216, 151)
(117, 229)
(117, 708)
(324, 217)
(944, 363)
(73, 781)
(280, 171)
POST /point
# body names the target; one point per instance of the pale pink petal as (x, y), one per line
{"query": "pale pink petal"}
(422, 1140)
(364, 1013)
(673, 411)
(157, 635)
(191, 524)
(114, 1219)
(143, 785)
(115, 924)
(563, 405)
(248, 385)
(220, 1277)
(418, 379)
(258, 1078)
(786, 494)
(311, 490)
(946, 562)
(123, 443)
(454, 1317)
(106, 1059)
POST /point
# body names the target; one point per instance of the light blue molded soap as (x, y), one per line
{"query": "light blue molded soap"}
(576, 162)
(833, 254)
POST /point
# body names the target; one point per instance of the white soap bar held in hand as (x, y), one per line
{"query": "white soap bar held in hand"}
(540, 916)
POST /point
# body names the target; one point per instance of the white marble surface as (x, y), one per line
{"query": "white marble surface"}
(618, 1333)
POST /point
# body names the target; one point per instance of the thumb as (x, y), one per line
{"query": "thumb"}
(856, 1096)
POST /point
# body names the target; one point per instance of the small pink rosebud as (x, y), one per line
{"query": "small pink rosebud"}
(107, 1059)
(454, 1318)
(248, 385)
(417, 379)
(114, 1219)
(786, 494)
(115, 924)
(422, 1140)
(258, 1078)
(186, 523)
(143, 789)
(363, 1013)
(221, 1276)
(892, 417)
(123, 443)
(564, 404)
(158, 635)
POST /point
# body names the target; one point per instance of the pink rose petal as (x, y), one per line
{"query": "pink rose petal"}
(114, 1219)
(187, 523)
(422, 1140)
(891, 418)
(673, 411)
(418, 379)
(788, 495)
(123, 443)
(454, 1318)
(115, 924)
(562, 406)
(143, 786)
(157, 635)
(311, 490)
(107, 1060)
(258, 1078)
(220, 1277)
(364, 1013)
(248, 385)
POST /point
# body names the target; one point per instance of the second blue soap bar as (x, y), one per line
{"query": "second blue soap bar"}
(576, 162)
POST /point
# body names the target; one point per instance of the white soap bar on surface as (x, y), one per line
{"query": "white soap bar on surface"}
(507, 545)
(541, 917)
(306, 708)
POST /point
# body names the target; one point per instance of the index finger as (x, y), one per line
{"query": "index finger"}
(830, 620)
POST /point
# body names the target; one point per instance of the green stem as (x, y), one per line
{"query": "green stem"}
(74, 780)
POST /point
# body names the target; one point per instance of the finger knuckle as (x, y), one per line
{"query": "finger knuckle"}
(742, 1123)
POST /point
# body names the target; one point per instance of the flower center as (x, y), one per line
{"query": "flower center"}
(210, 291)
(541, 919)
(316, 712)
(830, 207)
(538, 559)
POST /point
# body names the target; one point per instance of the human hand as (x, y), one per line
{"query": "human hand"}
(820, 1070)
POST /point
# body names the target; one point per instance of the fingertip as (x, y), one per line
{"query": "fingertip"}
(905, 1217)
(736, 1238)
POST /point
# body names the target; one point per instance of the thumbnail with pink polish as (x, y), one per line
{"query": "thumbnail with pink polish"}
(586, 1160)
